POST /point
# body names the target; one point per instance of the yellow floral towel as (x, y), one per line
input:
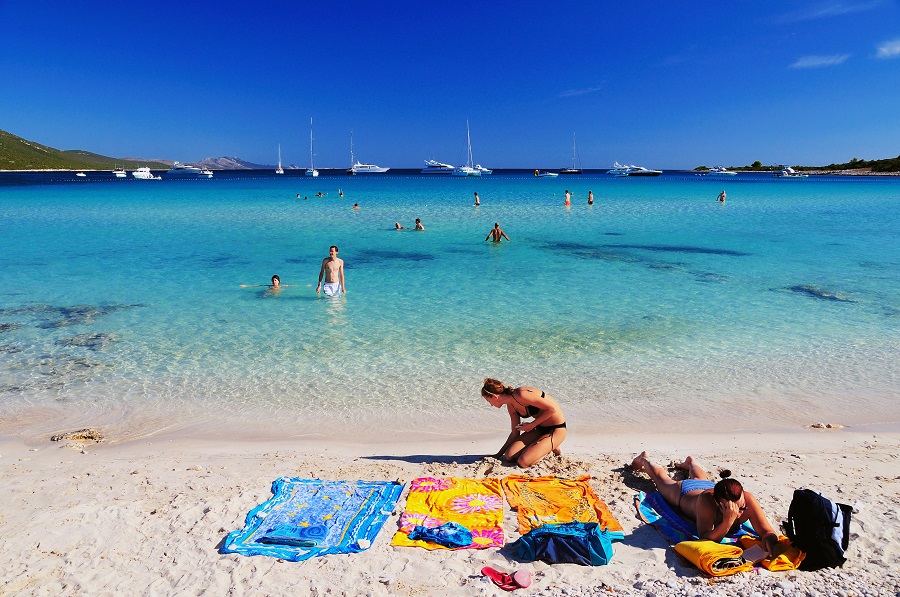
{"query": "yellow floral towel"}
(477, 504)
(714, 558)
(542, 500)
(788, 558)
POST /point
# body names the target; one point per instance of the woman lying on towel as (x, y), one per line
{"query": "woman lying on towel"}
(527, 442)
(718, 509)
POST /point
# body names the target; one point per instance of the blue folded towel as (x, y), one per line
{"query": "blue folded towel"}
(284, 534)
(451, 534)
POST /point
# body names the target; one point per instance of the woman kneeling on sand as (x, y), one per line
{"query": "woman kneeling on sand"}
(527, 442)
(718, 509)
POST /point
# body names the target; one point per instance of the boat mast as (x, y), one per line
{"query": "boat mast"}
(574, 164)
(311, 167)
(469, 144)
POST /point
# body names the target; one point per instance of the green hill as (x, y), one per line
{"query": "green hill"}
(17, 153)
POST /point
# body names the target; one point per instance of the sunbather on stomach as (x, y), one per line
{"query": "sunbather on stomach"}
(717, 509)
(527, 442)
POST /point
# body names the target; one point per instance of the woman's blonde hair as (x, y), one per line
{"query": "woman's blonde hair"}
(493, 386)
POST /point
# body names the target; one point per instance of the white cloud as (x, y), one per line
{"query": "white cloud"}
(889, 49)
(829, 9)
(820, 61)
(585, 91)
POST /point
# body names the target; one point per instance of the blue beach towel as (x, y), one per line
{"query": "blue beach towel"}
(653, 509)
(583, 543)
(311, 517)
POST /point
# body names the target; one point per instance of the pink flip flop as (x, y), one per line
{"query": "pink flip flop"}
(508, 582)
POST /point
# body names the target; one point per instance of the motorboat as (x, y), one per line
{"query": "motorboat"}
(788, 172)
(311, 171)
(179, 170)
(357, 167)
(119, 172)
(469, 168)
(435, 167)
(483, 170)
(632, 170)
(279, 169)
(574, 169)
(81, 174)
(717, 171)
(545, 174)
(145, 174)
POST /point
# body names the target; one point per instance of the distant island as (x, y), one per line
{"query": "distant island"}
(17, 153)
(855, 166)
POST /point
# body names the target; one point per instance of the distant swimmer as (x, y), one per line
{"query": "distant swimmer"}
(321, 194)
(273, 288)
(497, 233)
(590, 197)
(356, 206)
(340, 193)
(568, 198)
(721, 197)
(333, 270)
(397, 226)
(419, 225)
(298, 195)
(477, 200)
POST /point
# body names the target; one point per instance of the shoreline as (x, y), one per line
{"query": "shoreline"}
(150, 514)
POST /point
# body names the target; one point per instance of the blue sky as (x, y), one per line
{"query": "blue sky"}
(665, 85)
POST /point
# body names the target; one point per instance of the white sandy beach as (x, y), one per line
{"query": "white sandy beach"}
(148, 516)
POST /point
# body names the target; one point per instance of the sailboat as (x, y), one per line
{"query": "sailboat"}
(574, 169)
(279, 169)
(311, 171)
(469, 168)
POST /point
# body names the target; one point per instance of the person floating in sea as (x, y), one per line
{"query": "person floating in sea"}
(477, 200)
(356, 206)
(721, 197)
(527, 442)
(419, 225)
(397, 226)
(590, 197)
(497, 233)
(340, 193)
(273, 288)
(718, 509)
(568, 198)
(333, 270)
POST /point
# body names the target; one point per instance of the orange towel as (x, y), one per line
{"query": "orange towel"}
(477, 504)
(542, 500)
(788, 558)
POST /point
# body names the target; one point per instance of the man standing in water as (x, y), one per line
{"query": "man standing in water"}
(333, 270)
(497, 233)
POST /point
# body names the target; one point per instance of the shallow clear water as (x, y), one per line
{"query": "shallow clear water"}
(655, 306)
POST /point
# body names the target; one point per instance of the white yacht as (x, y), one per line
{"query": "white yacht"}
(469, 168)
(119, 172)
(545, 174)
(311, 171)
(81, 175)
(435, 167)
(279, 169)
(717, 171)
(145, 174)
(483, 170)
(179, 170)
(788, 172)
(632, 170)
(356, 167)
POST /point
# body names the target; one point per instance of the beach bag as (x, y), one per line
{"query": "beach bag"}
(818, 527)
(583, 543)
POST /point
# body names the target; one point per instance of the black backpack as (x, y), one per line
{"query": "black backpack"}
(818, 527)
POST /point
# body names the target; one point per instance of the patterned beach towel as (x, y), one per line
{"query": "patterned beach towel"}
(653, 509)
(543, 500)
(312, 517)
(476, 504)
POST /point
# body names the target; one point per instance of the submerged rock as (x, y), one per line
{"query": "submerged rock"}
(97, 341)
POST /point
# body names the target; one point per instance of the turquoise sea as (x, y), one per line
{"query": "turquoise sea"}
(657, 307)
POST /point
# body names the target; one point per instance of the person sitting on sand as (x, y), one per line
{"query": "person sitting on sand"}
(419, 225)
(497, 233)
(397, 226)
(527, 442)
(718, 509)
